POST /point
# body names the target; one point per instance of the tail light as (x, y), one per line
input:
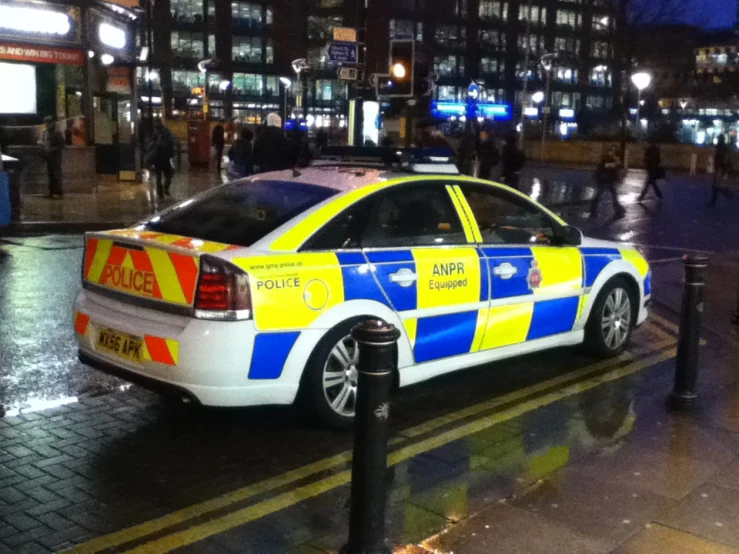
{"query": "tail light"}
(222, 292)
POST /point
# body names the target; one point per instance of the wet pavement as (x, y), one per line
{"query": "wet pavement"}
(553, 452)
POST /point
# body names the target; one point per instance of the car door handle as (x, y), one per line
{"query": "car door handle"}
(404, 277)
(505, 270)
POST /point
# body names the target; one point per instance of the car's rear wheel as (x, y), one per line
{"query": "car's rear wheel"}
(329, 387)
(612, 320)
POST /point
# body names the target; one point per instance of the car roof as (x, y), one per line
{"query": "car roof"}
(338, 176)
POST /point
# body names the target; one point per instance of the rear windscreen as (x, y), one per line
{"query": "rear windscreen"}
(240, 213)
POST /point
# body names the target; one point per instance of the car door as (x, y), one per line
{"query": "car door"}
(536, 284)
(424, 257)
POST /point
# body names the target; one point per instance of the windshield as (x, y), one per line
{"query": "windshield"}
(240, 213)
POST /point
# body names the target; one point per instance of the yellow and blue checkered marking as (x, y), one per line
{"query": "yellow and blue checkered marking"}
(388, 262)
(270, 354)
(595, 260)
(359, 283)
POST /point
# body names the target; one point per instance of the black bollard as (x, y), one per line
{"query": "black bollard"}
(377, 361)
(735, 317)
(683, 395)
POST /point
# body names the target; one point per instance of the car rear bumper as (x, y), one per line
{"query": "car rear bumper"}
(207, 362)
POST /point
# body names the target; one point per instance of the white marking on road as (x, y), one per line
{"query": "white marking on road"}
(665, 260)
(678, 248)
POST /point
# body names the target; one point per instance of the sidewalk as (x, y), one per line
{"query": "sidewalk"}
(111, 205)
(670, 484)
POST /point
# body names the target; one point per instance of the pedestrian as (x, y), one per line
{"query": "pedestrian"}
(721, 168)
(653, 164)
(52, 146)
(513, 161)
(241, 155)
(3, 141)
(161, 151)
(487, 155)
(466, 155)
(272, 151)
(607, 177)
(218, 142)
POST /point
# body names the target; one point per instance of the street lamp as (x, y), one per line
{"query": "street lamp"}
(537, 97)
(286, 84)
(641, 81)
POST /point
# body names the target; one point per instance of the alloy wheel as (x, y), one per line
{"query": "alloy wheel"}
(616, 319)
(340, 377)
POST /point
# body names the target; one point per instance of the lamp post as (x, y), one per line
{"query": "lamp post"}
(286, 84)
(525, 87)
(299, 65)
(641, 81)
(547, 62)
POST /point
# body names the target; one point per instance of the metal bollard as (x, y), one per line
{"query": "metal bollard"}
(377, 362)
(683, 395)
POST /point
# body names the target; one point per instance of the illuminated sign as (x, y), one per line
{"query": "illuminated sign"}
(40, 54)
(34, 21)
(531, 112)
(39, 23)
(499, 112)
(445, 110)
(566, 113)
(112, 36)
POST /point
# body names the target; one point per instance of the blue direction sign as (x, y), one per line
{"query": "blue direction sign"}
(344, 52)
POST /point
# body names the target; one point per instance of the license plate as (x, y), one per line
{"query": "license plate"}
(121, 344)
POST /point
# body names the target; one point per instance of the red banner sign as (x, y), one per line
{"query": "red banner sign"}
(41, 54)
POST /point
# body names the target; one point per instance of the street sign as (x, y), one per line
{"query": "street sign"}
(344, 52)
(348, 73)
(345, 34)
(546, 110)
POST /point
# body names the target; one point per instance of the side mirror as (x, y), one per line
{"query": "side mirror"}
(568, 235)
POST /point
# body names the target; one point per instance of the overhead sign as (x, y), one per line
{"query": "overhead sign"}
(348, 73)
(345, 34)
(41, 54)
(343, 52)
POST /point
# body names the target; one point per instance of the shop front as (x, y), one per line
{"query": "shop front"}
(73, 62)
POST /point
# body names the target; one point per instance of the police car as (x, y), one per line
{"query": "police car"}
(246, 294)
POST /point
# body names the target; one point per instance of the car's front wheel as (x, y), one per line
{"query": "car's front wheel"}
(612, 320)
(329, 387)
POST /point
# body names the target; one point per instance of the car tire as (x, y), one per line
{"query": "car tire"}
(611, 320)
(325, 362)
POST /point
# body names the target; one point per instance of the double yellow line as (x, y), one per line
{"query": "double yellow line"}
(528, 399)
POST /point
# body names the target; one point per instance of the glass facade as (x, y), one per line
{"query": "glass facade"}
(484, 40)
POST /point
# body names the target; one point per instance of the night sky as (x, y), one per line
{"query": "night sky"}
(712, 13)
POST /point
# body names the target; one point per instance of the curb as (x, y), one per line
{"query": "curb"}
(58, 227)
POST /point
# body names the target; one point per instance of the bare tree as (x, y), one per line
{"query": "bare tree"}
(631, 17)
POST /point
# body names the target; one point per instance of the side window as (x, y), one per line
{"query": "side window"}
(413, 216)
(345, 231)
(505, 219)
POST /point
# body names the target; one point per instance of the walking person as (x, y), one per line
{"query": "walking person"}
(653, 164)
(466, 155)
(52, 144)
(218, 142)
(272, 151)
(721, 167)
(161, 152)
(513, 160)
(241, 155)
(607, 177)
(487, 154)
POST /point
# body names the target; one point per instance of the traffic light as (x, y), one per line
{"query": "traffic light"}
(401, 79)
